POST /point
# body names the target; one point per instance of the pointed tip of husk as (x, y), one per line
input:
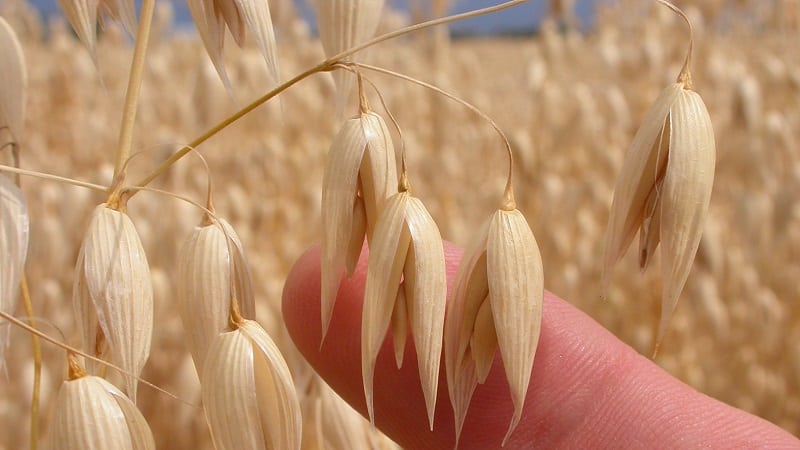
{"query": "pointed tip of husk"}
(513, 426)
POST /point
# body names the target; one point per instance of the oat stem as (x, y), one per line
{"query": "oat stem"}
(685, 77)
(37, 361)
(47, 176)
(324, 66)
(508, 202)
(14, 321)
(132, 93)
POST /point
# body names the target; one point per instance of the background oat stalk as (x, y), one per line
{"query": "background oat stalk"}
(132, 93)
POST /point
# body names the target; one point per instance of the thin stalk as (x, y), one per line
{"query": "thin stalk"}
(57, 343)
(685, 77)
(37, 361)
(321, 67)
(134, 86)
(508, 202)
(47, 176)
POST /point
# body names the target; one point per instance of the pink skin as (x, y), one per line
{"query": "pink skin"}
(588, 389)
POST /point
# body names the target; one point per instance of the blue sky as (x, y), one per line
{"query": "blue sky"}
(521, 17)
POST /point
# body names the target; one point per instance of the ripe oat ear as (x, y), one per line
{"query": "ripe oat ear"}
(257, 17)
(360, 174)
(82, 15)
(342, 25)
(686, 197)
(123, 11)
(211, 267)
(13, 83)
(407, 243)
(90, 413)
(14, 233)
(497, 303)
(113, 281)
(211, 27)
(249, 397)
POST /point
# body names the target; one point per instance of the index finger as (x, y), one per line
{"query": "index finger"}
(588, 389)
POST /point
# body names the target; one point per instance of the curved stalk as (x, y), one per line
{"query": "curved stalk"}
(508, 203)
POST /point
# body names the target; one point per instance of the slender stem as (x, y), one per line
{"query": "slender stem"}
(47, 176)
(326, 65)
(322, 67)
(424, 25)
(685, 77)
(134, 86)
(508, 202)
(57, 343)
(37, 361)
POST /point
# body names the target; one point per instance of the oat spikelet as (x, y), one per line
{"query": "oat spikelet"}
(257, 17)
(664, 191)
(14, 232)
(212, 270)
(343, 24)
(92, 414)
(83, 16)
(496, 304)
(407, 243)
(360, 175)
(113, 294)
(211, 18)
(13, 83)
(248, 394)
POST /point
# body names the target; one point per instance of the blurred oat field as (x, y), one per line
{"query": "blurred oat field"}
(570, 102)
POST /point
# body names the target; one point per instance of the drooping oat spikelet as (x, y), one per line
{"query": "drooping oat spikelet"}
(83, 15)
(212, 271)
(360, 174)
(344, 24)
(248, 393)
(113, 294)
(123, 11)
(664, 191)
(212, 16)
(14, 231)
(92, 414)
(13, 83)
(497, 303)
(257, 17)
(407, 243)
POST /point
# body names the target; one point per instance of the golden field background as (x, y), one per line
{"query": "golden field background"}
(570, 104)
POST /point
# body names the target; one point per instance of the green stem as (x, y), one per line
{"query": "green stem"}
(134, 86)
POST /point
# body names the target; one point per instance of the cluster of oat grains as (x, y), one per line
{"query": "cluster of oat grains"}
(497, 298)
